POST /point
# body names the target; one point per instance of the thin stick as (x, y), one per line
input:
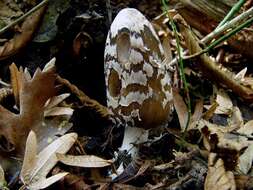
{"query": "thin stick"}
(4, 29)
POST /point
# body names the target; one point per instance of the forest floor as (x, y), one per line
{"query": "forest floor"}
(56, 131)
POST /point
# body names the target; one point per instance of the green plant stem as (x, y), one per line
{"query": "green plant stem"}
(222, 39)
(181, 66)
(223, 28)
(231, 13)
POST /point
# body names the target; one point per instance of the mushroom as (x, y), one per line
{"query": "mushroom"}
(138, 84)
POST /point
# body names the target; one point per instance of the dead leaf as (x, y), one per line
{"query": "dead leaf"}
(21, 39)
(241, 75)
(42, 184)
(3, 183)
(236, 119)
(30, 159)
(36, 167)
(181, 109)
(225, 105)
(198, 112)
(247, 129)
(51, 108)
(245, 160)
(221, 137)
(32, 98)
(87, 161)
(15, 81)
(244, 181)
(217, 177)
(54, 101)
(57, 111)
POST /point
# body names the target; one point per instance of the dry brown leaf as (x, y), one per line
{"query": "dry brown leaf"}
(244, 181)
(181, 109)
(51, 108)
(3, 183)
(57, 111)
(217, 177)
(241, 75)
(245, 160)
(21, 39)
(247, 129)
(33, 95)
(36, 167)
(225, 105)
(224, 101)
(15, 81)
(236, 119)
(42, 184)
(87, 161)
(30, 159)
(198, 112)
(54, 101)
(221, 137)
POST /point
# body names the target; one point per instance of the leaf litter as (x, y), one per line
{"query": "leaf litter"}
(214, 152)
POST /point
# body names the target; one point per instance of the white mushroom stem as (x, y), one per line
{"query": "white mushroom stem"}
(133, 136)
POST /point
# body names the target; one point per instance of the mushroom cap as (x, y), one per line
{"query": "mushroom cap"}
(138, 85)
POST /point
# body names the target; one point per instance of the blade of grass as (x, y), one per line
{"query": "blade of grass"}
(231, 13)
(181, 65)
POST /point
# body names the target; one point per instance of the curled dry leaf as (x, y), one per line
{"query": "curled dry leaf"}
(36, 167)
(87, 161)
(217, 177)
(20, 39)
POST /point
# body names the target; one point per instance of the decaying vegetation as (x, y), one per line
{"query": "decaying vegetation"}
(56, 130)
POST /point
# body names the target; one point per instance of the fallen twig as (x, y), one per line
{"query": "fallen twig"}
(85, 100)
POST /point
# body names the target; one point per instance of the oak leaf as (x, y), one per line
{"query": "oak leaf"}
(33, 94)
